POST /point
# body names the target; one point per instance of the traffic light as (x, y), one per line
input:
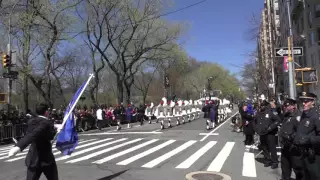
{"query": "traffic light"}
(6, 60)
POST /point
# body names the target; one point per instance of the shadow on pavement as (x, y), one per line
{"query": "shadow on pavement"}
(113, 175)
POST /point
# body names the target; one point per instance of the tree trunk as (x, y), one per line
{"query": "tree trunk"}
(144, 96)
(120, 90)
(128, 100)
(25, 93)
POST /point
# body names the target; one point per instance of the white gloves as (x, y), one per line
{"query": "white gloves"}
(13, 151)
(58, 127)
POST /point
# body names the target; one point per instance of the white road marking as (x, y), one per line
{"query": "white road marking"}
(188, 162)
(110, 133)
(249, 165)
(218, 127)
(169, 154)
(218, 162)
(125, 152)
(103, 151)
(212, 134)
(145, 153)
(54, 149)
(90, 149)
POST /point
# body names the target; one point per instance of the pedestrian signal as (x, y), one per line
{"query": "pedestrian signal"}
(6, 60)
(309, 76)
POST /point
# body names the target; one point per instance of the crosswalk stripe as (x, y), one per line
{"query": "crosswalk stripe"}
(218, 162)
(145, 153)
(188, 162)
(54, 149)
(169, 154)
(103, 151)
(7, 147)
(249, 165)
(92, 143)
(90, 149)
(125, 151)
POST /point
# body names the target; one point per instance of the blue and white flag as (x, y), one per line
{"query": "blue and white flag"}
(67, 138)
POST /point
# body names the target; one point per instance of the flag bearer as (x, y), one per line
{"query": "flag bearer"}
(39, 159)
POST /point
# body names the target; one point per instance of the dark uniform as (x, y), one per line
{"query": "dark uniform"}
(266, 126)
(39, 159)
(290, 155)
(307, 137)
(248, 130)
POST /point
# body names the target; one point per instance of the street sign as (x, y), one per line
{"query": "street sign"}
(309, 76)
(11, 75)
(281, 52)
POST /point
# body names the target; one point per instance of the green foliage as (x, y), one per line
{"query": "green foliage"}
(223, 80)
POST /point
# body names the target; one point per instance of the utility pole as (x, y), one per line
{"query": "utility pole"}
(290, 55)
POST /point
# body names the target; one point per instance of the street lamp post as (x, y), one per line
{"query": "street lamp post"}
(290, 55)
(9, 52)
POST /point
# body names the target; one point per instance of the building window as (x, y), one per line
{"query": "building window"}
(318, 34)
(312, 39)
(317, 10)
(310, 19)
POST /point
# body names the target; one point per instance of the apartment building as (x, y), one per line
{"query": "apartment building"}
(267, 41)
(305, 15)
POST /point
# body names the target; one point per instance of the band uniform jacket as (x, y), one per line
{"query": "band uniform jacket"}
(40, 132)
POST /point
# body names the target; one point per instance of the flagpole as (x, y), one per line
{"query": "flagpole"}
(74, 104)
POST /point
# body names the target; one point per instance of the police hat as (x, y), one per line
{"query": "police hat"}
(305, 95)
(289, 102)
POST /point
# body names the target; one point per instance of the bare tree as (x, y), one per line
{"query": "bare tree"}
(131, 33)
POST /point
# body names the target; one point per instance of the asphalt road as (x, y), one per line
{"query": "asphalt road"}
(148, 153)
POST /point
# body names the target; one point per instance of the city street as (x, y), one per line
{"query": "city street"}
(146, 152)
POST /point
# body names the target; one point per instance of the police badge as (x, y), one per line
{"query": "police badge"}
(298, 118)
(307, 124)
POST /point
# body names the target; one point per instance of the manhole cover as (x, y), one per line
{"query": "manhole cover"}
(206, 175)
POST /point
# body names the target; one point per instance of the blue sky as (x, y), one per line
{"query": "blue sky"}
(218, 29)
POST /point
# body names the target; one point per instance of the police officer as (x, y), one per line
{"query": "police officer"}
(266, 126)
(40, 159)
(307, 137)
(290, 155)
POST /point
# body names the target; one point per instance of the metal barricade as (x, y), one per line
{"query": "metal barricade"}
(19, 130)
(6, 132)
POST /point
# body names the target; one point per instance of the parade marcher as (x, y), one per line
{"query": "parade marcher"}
(39, 159)
(247, 118)
(213, 113)
(266, 126)
(129, 113)
(141, 116)
(206, 109)
(290, 155)
(307, 137)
